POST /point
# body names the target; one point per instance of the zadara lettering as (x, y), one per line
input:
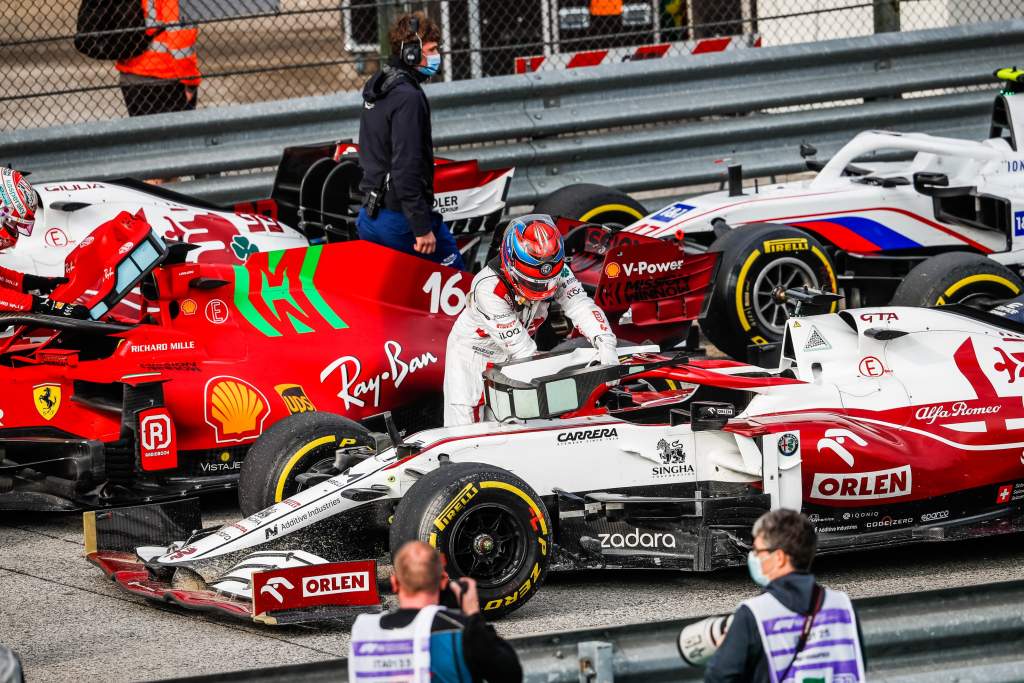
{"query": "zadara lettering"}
(637, 539)
(354, 387)
(453, 508)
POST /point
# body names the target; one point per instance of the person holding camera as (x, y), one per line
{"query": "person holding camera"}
(796, 630)
(396, 148)
(436, 635)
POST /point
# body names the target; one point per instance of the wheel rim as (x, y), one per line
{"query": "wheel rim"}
(488, 544)
(322, 466)
(785, 272)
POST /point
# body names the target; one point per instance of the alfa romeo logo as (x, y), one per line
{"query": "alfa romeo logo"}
(788, 444)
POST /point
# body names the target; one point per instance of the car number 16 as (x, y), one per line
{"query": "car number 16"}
(448, 299)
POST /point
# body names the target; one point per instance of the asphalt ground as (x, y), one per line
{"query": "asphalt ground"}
(69, 623)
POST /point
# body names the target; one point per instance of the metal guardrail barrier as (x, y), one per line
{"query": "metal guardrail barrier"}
(968, 634)
(662, 123)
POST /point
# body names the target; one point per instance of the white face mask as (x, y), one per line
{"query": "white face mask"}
(754, 567)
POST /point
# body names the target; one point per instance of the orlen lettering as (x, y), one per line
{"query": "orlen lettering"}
(334, 584)
(588, 435)
(453, 508)
(892, 483)
(638, 539)
(350, 368)
(930, 414)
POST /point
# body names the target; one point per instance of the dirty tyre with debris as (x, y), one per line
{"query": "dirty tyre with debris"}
(300, 443)
(488, 524)
(756, 259)
(593, 204)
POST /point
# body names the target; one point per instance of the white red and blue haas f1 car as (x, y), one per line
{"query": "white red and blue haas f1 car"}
(659, 462)
(945, 226)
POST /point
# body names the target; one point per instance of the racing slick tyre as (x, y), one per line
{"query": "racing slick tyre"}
(957, 277)
(487, 523)
(304, 442)
(593, 204)
(756, 259)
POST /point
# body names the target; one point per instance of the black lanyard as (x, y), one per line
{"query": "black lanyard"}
(818, 597)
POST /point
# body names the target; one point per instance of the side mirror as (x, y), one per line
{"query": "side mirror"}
(708, 415)
(937, 185)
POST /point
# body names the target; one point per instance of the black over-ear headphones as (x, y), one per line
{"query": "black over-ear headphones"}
(413, 52)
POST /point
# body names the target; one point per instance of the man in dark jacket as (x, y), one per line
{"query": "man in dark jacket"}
(796, 629)
(422, 641)
(396, 148)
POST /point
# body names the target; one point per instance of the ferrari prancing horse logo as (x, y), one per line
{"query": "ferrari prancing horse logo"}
(47, 399)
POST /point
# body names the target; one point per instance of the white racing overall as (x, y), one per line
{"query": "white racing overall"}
(496, 328)
(399, 655)
(832, 653)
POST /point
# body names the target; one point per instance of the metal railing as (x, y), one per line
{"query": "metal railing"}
(969, 634)
(638, 126)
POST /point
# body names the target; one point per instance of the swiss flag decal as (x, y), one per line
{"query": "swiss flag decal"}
(1004, 494)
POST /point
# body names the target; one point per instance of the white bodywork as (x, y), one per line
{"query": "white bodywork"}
(57, 232)
(827, 356)
(889, 217)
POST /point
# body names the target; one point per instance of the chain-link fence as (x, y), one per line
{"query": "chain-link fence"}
(69, 61)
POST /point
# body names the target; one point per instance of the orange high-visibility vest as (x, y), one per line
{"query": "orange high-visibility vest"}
(172, 54)
(606, 8)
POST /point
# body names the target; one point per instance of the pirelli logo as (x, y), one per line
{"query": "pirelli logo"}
(787, 244)
(453, 508)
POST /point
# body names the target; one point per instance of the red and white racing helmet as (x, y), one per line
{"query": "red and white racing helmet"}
(18, 206)
(532, 256)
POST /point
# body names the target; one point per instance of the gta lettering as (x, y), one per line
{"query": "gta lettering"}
(879, 317)
(448, 298)
(647, 268)
(930, 414)
(638, 539)
(892, 483)
(349, 370)
(334, 584)
(453, 508)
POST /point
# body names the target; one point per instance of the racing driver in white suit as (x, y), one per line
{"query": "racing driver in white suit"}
(508, 301)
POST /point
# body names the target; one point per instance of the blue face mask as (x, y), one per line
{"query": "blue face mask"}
(433, 64)
(754, 567)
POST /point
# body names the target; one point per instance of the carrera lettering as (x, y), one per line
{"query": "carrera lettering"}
(588, 435)
(929, 414)
(453, 508)
(892, 483)
(638, 539)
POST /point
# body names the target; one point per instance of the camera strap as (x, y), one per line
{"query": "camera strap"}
(817, 599)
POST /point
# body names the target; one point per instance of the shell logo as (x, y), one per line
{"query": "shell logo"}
(189, 307)
(612, 269)
(235, 409)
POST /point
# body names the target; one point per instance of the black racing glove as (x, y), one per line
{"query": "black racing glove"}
(43, 285)
(59, 308)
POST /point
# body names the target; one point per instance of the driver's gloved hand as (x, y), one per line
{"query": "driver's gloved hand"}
(59, 308)
(607, 351)
(38, 283)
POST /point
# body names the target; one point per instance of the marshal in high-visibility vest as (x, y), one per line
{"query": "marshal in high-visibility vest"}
(164, 77)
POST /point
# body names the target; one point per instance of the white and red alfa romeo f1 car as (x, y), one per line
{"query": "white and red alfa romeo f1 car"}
(668, 468)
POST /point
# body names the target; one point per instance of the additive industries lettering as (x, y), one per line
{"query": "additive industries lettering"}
(638, 539)
(835, 529)
(588, 435)
(354, 388)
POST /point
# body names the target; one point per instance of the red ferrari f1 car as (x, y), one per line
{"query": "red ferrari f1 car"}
(166, 397)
